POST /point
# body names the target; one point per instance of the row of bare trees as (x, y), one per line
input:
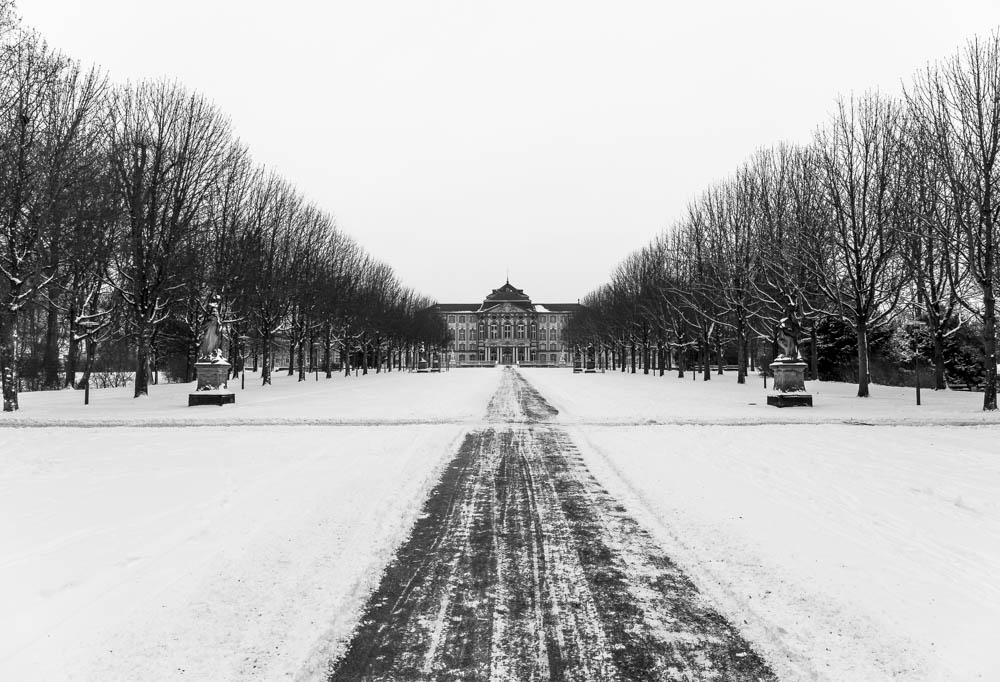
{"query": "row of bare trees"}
(890, 214)
(124, 207)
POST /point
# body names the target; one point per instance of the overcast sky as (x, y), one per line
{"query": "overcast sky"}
(455, 140)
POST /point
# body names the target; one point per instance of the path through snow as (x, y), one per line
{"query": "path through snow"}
(522, 567)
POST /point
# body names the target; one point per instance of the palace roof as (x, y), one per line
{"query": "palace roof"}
(507, 295)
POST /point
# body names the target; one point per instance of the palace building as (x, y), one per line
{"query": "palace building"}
(507, 328)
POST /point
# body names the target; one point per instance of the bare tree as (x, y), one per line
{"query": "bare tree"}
(859, 160)
(958, 104)
(166, 149)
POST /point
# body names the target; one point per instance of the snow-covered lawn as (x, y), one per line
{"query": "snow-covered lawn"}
(845, 546)
(390, 397)
(217, 552)
(847, 552)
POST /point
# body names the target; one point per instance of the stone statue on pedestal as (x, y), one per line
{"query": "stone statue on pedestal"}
(788, 367)
(212, 368)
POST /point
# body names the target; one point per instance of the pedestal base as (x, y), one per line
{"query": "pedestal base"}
(790, 400)
(212, 375)
(219, 398)
(789, 384)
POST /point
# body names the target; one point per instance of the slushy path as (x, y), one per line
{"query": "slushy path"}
(522, 567)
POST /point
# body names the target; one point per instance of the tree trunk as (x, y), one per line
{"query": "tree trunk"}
(50, 358)
(990, 344)
(939, 381)
(720, 353)
(72, 352)
(8, 359)
(862, 333)
(327, 368)
(142, 343)
(814, 353)
(265, 357)
(632, 356)
(741, 357)
(302, 358)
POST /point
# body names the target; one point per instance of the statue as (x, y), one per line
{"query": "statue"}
(210, 349)
(789, 330)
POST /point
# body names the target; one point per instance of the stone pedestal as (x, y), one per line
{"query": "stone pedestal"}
(789, 384)
(212, 378)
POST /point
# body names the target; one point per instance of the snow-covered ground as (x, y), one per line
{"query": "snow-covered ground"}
(846, 548)
(213, 553)
(390, 397)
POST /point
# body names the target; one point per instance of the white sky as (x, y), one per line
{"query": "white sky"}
(456, 139)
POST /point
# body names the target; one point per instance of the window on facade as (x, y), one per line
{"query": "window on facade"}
(552, 318)
(493, 330)
(461, 346)
(461, 358)
(461, 318)
(461, 335)
(553, 346)
(451, 318)
(507, 331)
(552, 358)
(472, 335)
(534, 331)
(520, 331)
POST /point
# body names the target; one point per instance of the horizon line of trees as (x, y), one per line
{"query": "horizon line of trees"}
(888, 218)
(124, 207)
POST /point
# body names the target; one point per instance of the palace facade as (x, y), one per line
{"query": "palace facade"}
(507, 328)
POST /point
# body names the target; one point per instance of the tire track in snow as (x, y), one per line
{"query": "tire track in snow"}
(522, 567)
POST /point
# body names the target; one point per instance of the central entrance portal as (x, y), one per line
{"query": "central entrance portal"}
(507, 358)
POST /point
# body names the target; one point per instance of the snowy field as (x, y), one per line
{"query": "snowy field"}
(218, 552)
(848, 548)
(858, 540)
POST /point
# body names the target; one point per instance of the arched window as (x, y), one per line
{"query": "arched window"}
(520, 331)
(493, 330)
(508, 330)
